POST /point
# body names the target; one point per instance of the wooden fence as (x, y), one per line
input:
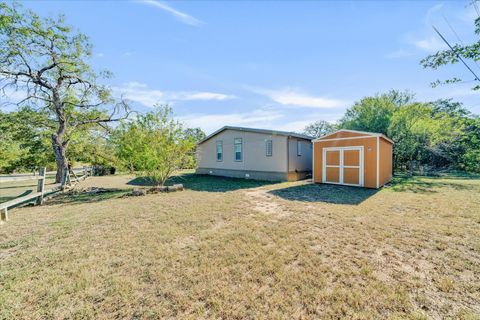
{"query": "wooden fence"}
(41, 192)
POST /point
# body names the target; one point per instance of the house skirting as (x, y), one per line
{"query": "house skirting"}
(255, 175)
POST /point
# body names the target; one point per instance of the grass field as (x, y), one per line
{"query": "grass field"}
(238, 249)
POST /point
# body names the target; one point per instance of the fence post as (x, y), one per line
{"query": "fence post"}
(3, 215)
(41, 185)
(85, 172)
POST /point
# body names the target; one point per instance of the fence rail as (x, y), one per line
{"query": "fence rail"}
(41, 192)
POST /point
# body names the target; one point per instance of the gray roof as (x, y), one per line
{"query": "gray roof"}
(266, 131)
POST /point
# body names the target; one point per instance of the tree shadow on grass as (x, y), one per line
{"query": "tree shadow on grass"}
(8, 198)
(199, 182)
(325, 193)
(85, 197)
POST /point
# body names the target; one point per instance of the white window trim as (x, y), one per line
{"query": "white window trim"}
(266, 148)
(299, 148)
(241, 149)
(216, 150)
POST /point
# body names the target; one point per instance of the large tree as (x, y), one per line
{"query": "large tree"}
(44, 59)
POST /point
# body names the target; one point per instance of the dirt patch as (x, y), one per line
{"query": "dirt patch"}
(263, 202)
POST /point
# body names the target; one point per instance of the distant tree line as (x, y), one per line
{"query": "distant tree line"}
(25, 146)
(435, 135)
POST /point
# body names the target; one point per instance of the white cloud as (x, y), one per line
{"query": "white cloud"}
(260, 118)
(141, 93)
(181, 16)
(430, 15)
(292, 97)
(425, 39)
(294, 126)
(202, 96)
(431, 43)
(100, 55)
(398, 54)
(128, 54)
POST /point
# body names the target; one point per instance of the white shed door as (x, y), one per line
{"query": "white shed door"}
(343, 165)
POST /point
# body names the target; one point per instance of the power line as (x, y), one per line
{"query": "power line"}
(476, 7)
(458, 56)
(458, 37)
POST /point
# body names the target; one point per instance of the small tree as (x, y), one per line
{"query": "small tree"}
(153, 145)
(47, 61)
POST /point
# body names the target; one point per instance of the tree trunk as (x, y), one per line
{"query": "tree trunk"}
(58, 139)
(60, 158)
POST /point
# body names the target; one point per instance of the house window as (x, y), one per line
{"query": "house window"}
(219, 150)
(237, 147)
(268, 148)
(299, 148)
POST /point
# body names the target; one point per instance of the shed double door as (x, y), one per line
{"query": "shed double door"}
(343, 165)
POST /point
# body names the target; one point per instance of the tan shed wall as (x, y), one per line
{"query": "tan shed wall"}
(370, 157)
(386, 161)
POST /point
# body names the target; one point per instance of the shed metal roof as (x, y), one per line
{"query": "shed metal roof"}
(373, 134)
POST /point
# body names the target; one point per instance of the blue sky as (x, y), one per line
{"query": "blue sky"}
(266, 64)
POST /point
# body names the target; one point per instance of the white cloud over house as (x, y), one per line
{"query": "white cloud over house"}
(295, 97)
(143, 94)
(260, 118)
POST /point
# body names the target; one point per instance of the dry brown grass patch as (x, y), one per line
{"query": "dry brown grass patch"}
(289, 250)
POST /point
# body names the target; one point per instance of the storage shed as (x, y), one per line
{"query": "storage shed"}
(353, 158)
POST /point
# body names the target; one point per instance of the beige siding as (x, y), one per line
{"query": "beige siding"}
(254, 152)
(303, 162)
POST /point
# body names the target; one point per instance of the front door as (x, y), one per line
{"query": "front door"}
(343, 165)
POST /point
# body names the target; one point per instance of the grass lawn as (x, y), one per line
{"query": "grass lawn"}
(238, 249)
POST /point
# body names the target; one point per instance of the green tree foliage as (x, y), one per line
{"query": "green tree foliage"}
(374, 113)
(319, 128)
(48, 62)
(10, 149)
(153, 145)
(469, 52)
(441, 134)
(26, 145)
